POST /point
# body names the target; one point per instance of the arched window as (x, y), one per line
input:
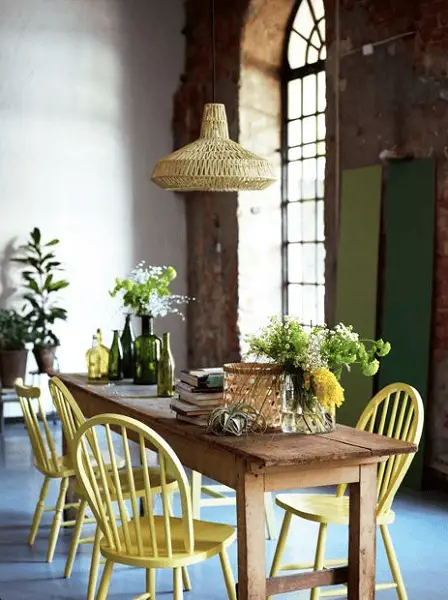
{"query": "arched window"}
(303, 151)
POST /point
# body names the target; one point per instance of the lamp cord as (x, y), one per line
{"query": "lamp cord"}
(212, 25)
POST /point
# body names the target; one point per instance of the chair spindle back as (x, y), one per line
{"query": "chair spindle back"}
(99, 475)
(397, 412)
(41, 438)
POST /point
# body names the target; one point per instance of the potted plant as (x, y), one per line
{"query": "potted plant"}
(147, 293)
(40, 280)
(312, 362)
(14, 334)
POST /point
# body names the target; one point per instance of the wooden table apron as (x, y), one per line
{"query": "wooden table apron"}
(253, 465)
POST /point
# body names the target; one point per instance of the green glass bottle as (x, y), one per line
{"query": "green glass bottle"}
(127, 346)
(147, 353)
(115, 359)
(165, 377)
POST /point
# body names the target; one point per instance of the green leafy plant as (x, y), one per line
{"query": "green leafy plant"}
(287, 343)
(40, 280)
(147, 292)
(14, 330)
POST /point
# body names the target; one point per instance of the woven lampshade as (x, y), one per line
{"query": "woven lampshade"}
(213, 163)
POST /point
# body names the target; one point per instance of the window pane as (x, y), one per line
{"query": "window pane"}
(295, 297)
(321, 304)
(309, 302)
(296, 51)
(309, 151)
(295, 98)
(309, 129)
(323, 53)
(304, 20)
(313, 55)
(321, 149)
(320, 264)
(308, 221)
(315, 40)
(295, 133)
(309, 179)
(295, 263)
(320, 220)
(294, 216)
(294, 180)
(321, 129)
(309, 263)
(309, 95)
(296, 153)
(321, 95)
(320, 177)
(318, 8)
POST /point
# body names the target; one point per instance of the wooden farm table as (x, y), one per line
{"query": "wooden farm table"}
(256, 464)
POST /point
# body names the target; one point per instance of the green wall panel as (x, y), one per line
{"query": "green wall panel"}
(407, 300)
(357, 274)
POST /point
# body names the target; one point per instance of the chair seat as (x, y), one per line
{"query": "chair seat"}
(323, 508)
(64, 468)
(139, 483)
(209, 540)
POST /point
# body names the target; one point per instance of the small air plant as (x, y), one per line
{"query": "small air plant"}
(236, 419)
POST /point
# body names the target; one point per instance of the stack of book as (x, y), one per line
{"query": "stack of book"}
(199, 392)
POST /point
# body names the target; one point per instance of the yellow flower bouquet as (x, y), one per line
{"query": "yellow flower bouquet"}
(313, 362)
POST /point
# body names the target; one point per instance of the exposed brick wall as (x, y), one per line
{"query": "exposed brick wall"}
(397, 97)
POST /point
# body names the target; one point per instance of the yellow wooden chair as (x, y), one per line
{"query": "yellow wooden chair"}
(152, 541)
(72, 418)
(47, 461)
(397, 412)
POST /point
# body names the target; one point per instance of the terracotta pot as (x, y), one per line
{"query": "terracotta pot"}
(12, 366)
(44, 356)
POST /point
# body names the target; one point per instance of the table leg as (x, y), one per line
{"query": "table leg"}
(362, 535)
(251, 537)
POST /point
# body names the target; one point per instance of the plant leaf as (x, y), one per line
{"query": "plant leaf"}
(58, 285)
(52, 242)
(35, 235)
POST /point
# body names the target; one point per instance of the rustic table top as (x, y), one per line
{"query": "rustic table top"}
(274, 449)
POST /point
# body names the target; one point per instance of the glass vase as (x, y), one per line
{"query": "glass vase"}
(165, 378)
(301, 410)
(127, 345)
(147, 353)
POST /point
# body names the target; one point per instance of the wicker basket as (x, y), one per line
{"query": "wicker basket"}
(257, 384)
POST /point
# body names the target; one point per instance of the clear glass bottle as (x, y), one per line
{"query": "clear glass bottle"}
(115, 359)
(127, 346)
(165, 376)
(147, 353)
(104, 353)
(94, 361)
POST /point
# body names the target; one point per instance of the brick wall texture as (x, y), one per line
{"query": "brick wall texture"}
(395, 98)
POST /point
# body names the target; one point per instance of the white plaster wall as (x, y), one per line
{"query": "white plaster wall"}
(86, 91)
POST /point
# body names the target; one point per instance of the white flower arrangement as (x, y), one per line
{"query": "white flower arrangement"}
(146, 291)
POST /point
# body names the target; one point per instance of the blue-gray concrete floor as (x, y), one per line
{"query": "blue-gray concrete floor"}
(420, 535)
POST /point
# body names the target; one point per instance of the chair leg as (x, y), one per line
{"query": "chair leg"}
(228, 575)
(151, 583)
(319, 557)
(105, 581)
(275, 568)
(271, 521)
(57, 519)
(393, 562)
(94, 565)
(186, 579)
(75, 538)
(185, 576)
(38, 511)
(177, 581)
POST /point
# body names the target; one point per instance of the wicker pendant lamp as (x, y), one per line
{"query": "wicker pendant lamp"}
(213, 163)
